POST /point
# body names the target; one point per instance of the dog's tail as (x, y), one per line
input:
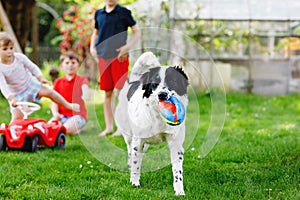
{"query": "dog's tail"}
(145, 62)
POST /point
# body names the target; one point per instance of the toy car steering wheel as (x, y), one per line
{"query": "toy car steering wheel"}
(27, 108)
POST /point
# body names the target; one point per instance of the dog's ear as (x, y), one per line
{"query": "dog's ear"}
(177, 80)
(180, 70)
(133, 87)
(150, 80)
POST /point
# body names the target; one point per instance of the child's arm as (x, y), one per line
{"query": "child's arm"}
(28, 64)
(123, 51)
(93, 50)
(43, 80)
(34, 69)
(86, 95)
(6, 92)
(54, 106)
(54, 110)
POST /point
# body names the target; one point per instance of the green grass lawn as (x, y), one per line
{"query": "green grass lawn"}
(256, 157)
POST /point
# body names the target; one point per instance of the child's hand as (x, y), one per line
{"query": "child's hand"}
(94, 54)
(86, 94)
(43, 80)
(123, 53)
(57, 116)
(13, 102)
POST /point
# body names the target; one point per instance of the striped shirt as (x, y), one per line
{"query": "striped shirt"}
(15, 78)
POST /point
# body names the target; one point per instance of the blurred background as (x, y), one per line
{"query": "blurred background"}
(254, 45)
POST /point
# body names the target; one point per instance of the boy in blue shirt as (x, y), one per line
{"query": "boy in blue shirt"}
(110, 49)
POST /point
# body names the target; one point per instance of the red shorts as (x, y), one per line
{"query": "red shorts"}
(113, 73)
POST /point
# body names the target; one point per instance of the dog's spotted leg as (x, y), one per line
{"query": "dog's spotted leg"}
(129, 162)
(177, 161)
(128, 143)
(136, 159)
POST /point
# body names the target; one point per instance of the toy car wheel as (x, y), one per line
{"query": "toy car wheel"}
(60, 141)
(34, 143)
(3, 143)
(31, 143)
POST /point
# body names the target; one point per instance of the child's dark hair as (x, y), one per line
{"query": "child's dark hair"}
(5, 39)
(69, 54)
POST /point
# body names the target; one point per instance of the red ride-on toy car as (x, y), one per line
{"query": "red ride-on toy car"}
(28, 134)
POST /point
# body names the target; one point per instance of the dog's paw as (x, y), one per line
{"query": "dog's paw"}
(135, 181)
(135, 184)
(179, 193)
(178, 189)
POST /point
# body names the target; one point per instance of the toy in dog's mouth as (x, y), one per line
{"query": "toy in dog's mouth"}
(171, 109)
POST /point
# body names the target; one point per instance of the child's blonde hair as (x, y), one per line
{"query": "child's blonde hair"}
(70, 55)
(5, 39)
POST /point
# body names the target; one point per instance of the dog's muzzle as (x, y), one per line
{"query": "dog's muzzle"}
(163, 95)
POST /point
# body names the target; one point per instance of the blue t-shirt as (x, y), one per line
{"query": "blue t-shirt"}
(114, 23)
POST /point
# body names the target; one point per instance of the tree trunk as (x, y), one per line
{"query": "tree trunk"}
(20, 16)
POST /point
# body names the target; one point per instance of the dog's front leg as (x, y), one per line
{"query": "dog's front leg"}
(128, 140)
(177, 161)
(136, 161)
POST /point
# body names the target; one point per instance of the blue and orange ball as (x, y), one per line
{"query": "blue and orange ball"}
(172, 111)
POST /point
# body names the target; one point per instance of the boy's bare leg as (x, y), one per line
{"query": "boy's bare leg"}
(108, 114)
(116, 95)
(58, 99)
(117, 133)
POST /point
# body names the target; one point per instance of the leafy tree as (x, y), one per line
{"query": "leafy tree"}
(20, 15)
(47, 22)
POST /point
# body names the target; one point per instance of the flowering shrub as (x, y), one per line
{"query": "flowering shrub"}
(76, 28)
(77, 24)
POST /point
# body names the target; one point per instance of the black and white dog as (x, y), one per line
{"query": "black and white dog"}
(138, 118)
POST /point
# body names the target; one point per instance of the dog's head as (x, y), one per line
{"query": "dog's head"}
(164, 82)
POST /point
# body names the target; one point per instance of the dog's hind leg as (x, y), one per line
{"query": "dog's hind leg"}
(177, 161)
(128, 140)
(145, 148)
(136, 161)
